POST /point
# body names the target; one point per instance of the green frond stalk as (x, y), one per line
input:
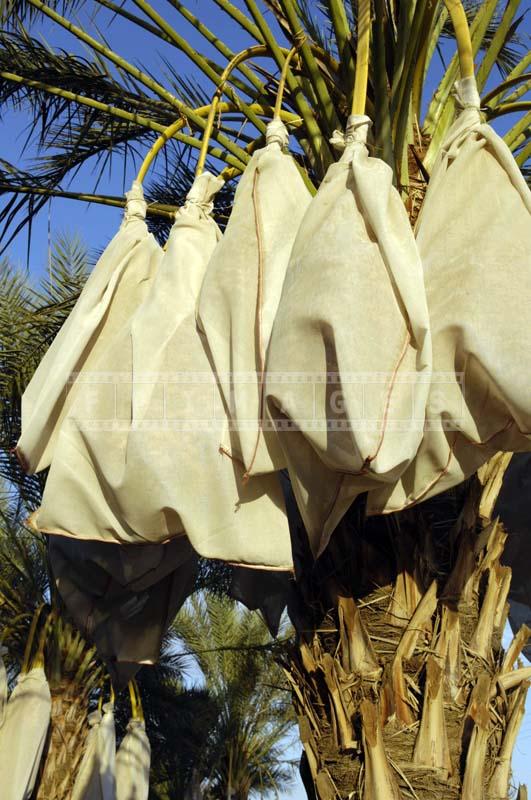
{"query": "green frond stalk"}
(139, 75)
(524, 155)
(199, 61)
(243, 21)
(441, 108)
(521, 67)
(300, 40)
(214, 40)
(520, 91)
(406, 15)
(342, 32)
(519, 133)
(319, 145)
(432, 31)
(120, 11)
(156, 209)
(105, 51)
(402, 105)
(503, 88)
(517, 73)
(128, 116)
(382, 116)
(508, 108)
(497, 43)
(439, 22)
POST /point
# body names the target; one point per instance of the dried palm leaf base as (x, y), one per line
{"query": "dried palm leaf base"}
(400, 683)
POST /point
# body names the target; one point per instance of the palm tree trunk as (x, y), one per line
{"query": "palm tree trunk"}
(400, 684)
(66, 739)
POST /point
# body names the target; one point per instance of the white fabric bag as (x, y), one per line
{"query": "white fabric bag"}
(114, 289)
(3, 685)
(23, 734)
(142, 465)
(133, 762)
(241, 292)
(474, 238)
(96, 775)
(87, 771)
(350, 355)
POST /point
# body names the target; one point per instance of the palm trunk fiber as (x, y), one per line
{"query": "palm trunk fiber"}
(400, 684)
(72, 672)
(66, 738)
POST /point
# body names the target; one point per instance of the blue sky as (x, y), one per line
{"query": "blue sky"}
(96, 224)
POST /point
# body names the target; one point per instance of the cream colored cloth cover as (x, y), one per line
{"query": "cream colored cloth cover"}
(23, 735)
(3, 685)
(140, 463)
(474, 239)
(241, 292)
(87, 772)
(133, 761)
(115, 288)
(350, 355)
(95, 779)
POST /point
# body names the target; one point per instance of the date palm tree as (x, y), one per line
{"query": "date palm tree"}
(30, 610)
(187, 726)
(228, 732)
(232, 647)
(379, 716)
(29, 615)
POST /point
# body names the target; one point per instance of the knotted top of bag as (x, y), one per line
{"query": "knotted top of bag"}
(202, 192)
(135, 205)
(466, 93)
(135, 722)
(468, 101)
(470, 120)
(355, 133)
(277, 133)
(94, 718)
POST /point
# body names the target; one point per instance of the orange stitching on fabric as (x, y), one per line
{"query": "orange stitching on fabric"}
(31, 522)
(388, 401)
(506, 427)
(258, 319)
(432, 483)
(225, 452)
(444, 471)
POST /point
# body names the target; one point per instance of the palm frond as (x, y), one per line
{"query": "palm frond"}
(28, 57)
(24, 582)
(30, 318)
(13, 12)
(235, 653)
